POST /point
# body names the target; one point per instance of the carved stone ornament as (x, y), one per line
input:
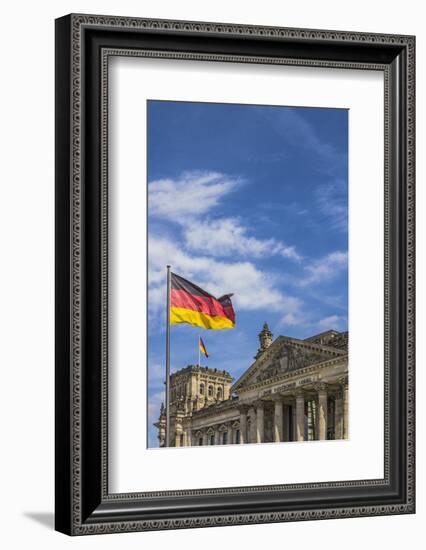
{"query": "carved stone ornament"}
(343, 381)
(321, 387)
(297, 358)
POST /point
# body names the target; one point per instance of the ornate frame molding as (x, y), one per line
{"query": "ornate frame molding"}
(83, 504)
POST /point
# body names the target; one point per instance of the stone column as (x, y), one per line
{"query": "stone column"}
(252, 435)
(345, 390)
(338, 417)
(300, 417)
(217, 436)
(293, 420)
(178, 432)
(243, 424)
(278, 419)
(230, 434)
(322, 411)
(260, 429)
(286, 423)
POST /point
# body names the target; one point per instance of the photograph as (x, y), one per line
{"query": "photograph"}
(247, 274)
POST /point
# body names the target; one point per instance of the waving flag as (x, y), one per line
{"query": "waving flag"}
(203, 347)
(191, 304)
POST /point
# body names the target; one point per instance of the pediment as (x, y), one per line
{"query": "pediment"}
(283, 356)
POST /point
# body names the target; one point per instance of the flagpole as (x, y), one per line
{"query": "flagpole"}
(168, 360)
(199, 354)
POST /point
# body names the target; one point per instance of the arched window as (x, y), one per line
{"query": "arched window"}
(210, 391)
(219, 393)
(201, 389)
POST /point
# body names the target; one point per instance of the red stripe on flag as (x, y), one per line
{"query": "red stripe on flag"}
(203, 304)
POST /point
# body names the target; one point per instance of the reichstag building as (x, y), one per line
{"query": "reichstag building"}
(296, 390)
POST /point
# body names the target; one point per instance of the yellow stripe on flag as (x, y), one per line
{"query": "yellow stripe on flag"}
(198, 319)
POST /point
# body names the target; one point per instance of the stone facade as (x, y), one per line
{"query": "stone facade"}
(296, 390)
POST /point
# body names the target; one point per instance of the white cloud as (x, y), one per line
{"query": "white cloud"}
(325, 268)
(292, 319)
(331, 322)
(193, 194)
(253, 289)
(187, 199)
(227, 236)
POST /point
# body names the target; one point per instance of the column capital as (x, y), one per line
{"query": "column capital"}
(321, 387)
(343, 381)
(244, 408)
(299, 393)
(277, 397)
(258, 403)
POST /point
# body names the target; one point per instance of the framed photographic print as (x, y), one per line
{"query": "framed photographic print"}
(234, 274)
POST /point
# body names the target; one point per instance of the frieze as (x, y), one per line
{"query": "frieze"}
(284, 387)
(308, 380)
(324, 364)
(291, 385)
(293, 358)
(308, 349)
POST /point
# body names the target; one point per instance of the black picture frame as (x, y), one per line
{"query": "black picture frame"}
(83, 504)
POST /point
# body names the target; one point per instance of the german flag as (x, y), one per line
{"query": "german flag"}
(191, 304)
(203, 347)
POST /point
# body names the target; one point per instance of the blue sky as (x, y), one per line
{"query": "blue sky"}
(251, 200)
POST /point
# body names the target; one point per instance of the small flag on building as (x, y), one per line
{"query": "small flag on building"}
(191, 304)
(203, 347)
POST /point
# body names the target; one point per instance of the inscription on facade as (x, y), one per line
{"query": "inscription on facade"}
(284, 387)
(292, 385)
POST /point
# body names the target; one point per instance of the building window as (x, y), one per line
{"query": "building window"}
(200, 441)
(219, 393)
(237, 437)
(212, 440)
(225, 438)
(201, 389)
(210, 391)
